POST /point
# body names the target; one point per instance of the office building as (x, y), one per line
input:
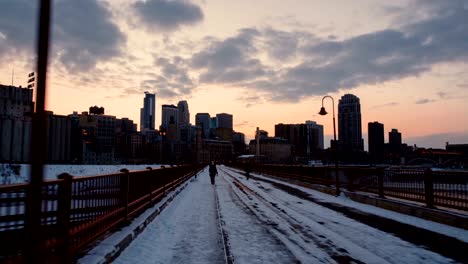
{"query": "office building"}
(349, 123)
(376, 141)
(148, 112)
(394, 141)
(203, 120)
(170, 115)
(184, 114)
(16, 106)
(306, 139)
(224, 120)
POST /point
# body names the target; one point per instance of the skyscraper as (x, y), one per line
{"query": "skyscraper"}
(184, 114)
(376, 141)
(394, 141)
(203, 120)
(306, 138)
(349, 123)
(170, 115)
(148, 112)
(224, 120)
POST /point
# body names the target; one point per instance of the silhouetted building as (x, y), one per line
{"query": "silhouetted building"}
(394, 140)
(305, 139)
(184, 114)
(58, 138)
(224, 120)
(16, 106)
(459, 148)
(349, 123)
(272, 150)
(96, 110)
(148, 112)
(376, 142)
(170, 115)
(203, 121)
(238, 140)
(223, 128)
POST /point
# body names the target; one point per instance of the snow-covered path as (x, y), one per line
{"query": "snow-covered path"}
(252, 221)
(185, 232)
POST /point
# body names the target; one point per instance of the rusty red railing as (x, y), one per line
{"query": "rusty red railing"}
(75, 211)
(444, 189)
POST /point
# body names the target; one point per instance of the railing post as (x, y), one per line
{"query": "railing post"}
(380, 182)
(429, 188)
(150, 185)
(64, 215)
(350, 177)
(124, 189)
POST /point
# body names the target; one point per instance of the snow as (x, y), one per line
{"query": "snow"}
(187, 230)
(19, 173)
(458, 233)
(263, 224)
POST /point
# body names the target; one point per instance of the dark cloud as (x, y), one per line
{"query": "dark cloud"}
(327, 65)
(17, 26)
(424, 101)
(173, 79)
(85, 34)
(168, 15)
(231, 60)
(82, 32)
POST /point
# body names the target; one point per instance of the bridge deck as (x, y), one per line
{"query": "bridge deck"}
(261, 221)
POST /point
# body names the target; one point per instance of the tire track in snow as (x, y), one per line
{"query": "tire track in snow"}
(444, 245)
(224, 237)
(304, 244)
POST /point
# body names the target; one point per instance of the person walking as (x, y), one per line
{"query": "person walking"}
(213, 172)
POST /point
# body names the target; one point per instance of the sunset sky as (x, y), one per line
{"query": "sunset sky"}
(264, 61)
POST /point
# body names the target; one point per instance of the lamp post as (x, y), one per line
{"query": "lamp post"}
(335, 149)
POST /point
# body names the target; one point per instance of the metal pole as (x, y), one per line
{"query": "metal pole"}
(34, 254)
(335, 145)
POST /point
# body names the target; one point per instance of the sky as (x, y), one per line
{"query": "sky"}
(265, 62)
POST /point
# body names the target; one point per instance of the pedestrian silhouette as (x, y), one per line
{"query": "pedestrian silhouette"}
(213, 172)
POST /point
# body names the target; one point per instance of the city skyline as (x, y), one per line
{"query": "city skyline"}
(265, 63)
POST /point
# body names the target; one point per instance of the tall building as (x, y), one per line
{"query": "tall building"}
(349, 123)
(315, 132)
(148, 112)
(305, 139)
(224, 120)
(16, 104)
(224, 127)
(170, 115)
(394, 141)
(376, 141)
(184, 114)
(203, 121)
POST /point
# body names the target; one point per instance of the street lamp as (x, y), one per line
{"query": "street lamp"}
(335, 150)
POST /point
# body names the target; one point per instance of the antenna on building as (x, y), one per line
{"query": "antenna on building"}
(12, 76)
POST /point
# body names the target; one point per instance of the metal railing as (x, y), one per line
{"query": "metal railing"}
(77, 211)
(433, 188)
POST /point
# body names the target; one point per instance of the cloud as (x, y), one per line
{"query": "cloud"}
(425, 101)
(83, 32)
(385, 105)
(172, 81)
(17, 26)
(168, 15)
(324, 65)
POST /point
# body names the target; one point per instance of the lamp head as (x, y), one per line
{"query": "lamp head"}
(322, 111)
